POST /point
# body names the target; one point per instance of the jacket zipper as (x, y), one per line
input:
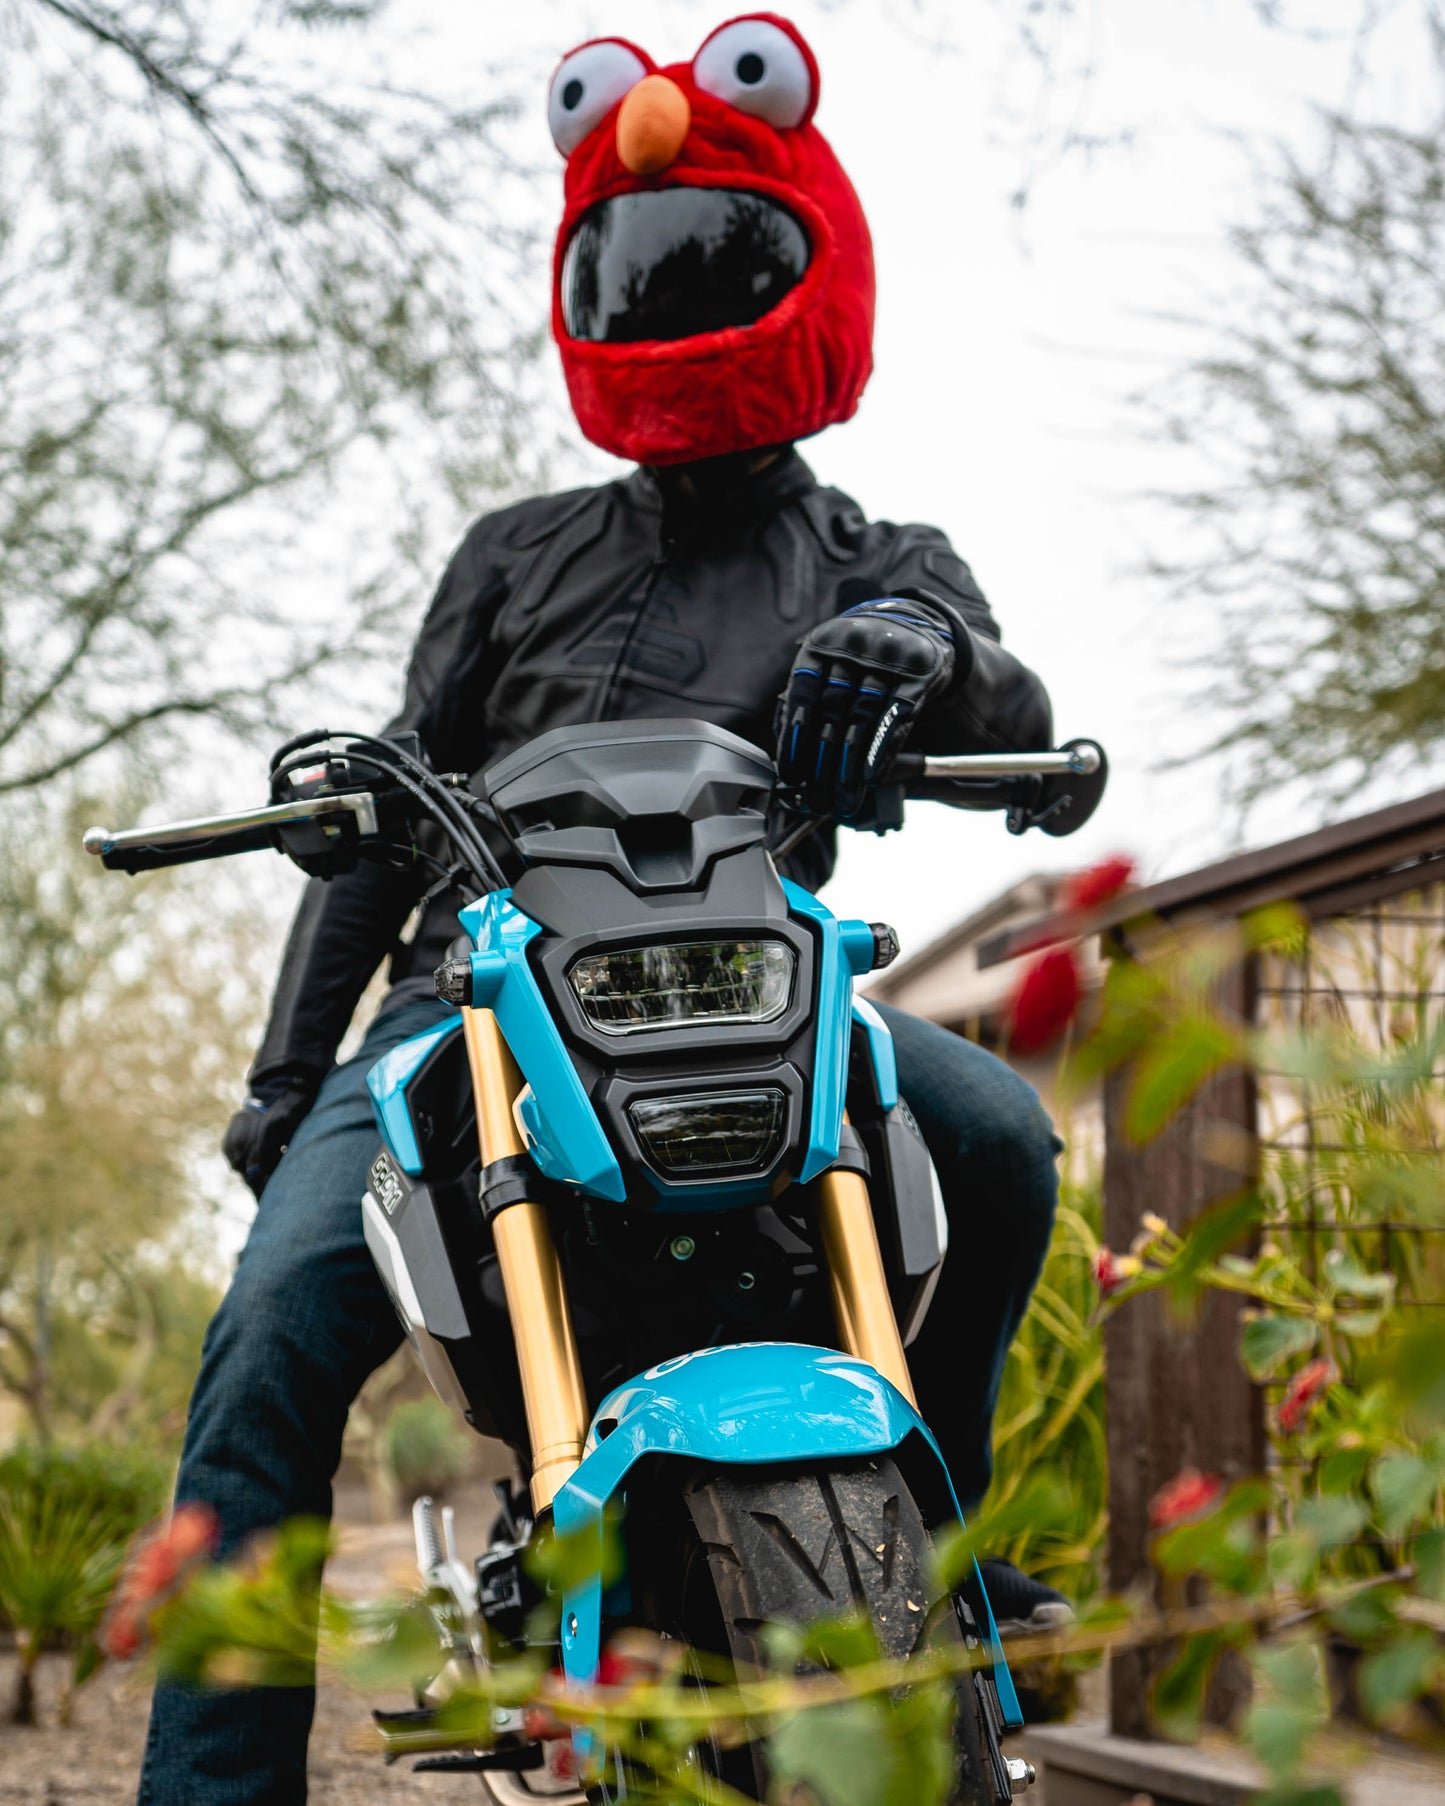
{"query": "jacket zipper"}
(666, 544)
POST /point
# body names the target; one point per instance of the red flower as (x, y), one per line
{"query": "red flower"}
(1046, 1001)
(1304, 1392)
(1188, 1495)
(122, 1634)
(630, 1658)
(542, 1724)
(1097, 884)
(159, 1564)
(1112, 1270)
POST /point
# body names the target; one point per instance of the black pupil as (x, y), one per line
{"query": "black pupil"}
(750, 68)
(572, 94)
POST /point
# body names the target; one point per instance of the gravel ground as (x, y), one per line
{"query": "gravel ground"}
(96, 1762)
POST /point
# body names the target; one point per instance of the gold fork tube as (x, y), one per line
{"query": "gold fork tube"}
(867, 1326)
(551, 1369)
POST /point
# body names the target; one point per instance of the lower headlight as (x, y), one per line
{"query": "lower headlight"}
(726, 1131)
(629, 990)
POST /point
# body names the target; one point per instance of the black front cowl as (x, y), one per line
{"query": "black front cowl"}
(672, 263)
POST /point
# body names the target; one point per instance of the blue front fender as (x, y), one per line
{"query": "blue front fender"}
(747, 1404)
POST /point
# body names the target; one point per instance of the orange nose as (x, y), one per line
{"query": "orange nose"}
(651, 125)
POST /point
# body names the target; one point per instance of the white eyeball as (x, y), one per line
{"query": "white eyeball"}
(757, 68)
(587, 86)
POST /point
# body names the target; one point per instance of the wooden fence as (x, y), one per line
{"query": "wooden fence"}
(1373, 890)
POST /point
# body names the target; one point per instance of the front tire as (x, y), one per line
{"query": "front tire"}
(744, 1547)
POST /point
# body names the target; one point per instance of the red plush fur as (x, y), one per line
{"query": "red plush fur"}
(800, 368)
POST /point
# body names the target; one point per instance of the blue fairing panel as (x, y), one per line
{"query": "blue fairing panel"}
(880, 1051)
(845, 952)
(564, 1137)
(748, 1404)
(387, 1082)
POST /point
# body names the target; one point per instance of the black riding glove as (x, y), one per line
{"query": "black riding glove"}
(854, 696)
(260, 1132)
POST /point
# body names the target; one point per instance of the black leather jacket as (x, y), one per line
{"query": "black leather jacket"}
(673, 593)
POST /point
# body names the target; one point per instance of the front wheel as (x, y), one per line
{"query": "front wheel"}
(739, 1549)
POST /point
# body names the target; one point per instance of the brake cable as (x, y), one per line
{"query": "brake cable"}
(439, 802)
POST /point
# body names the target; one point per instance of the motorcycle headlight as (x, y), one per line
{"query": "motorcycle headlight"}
(631, 990)
(727, 1131)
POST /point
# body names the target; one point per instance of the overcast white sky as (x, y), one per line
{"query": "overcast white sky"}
(1010, 342)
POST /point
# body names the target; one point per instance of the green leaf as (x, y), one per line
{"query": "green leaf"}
(1405, 1489)
(869, 1752)
(783, 1646)
(1331, 1519)
(1290, 1705)
(1430, 1563)
(849, 1642)
(1416, 1365)
(1347, 1278)
(1390, 1678)
(1361, 1323)
(1212, 1233)
(1292, 1559)
(1279, 1733)
(1342, 1470)
(563, 1563)
(1226, 1545)
(1280, 926)
(1268, 1342)
(1171, 1069)
(1179, 1692)
(1042, 1502)
(1366, 1616)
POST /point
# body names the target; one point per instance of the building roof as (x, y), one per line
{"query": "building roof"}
(957, 977)
(1326, 871)
(968, 970)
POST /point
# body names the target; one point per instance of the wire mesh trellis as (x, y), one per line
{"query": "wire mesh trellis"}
(1358, 1166)
(1346, 1165)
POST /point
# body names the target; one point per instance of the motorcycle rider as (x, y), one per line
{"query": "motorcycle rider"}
(712, 303)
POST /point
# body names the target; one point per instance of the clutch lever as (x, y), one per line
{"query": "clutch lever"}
(1057, 791)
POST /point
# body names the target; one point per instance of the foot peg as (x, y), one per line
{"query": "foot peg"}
(522, 1760)
(407, 1733)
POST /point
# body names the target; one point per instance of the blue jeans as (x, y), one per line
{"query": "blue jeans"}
(306, 1320)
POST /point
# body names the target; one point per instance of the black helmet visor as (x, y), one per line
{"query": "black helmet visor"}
(674, 262)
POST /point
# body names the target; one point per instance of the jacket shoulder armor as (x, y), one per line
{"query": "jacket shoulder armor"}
(880, 556)
(837, 523)
(525, 524)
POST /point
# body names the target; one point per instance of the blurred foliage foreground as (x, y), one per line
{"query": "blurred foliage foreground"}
(1340, 1544)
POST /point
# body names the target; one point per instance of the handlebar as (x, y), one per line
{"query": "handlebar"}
(321, 832)
(1080, 758)
(218, 836)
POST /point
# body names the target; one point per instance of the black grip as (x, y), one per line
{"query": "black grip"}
(975, 793)
(219, 846)
(1059, 802)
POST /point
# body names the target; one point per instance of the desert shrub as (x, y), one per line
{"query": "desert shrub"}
(66, 1518)
(103, 1479)
(427, 1450)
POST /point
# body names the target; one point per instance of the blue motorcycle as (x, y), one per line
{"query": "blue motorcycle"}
(651, 1209)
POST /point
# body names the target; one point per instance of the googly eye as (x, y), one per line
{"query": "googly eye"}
(761, 69)
(587, 86)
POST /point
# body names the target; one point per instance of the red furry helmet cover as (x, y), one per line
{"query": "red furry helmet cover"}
(704, 372)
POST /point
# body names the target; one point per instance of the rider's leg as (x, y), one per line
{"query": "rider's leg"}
(994, 1149)
(303, 1324)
